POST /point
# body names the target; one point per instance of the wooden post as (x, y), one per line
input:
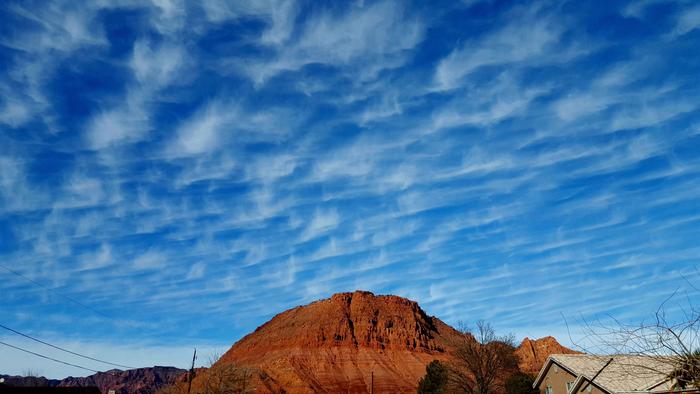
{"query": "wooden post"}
(189, 384)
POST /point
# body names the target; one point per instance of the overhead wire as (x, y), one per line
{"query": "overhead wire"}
(71, 299)
(64, 350)
(48, 358)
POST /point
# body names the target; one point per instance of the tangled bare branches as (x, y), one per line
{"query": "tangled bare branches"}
(667, 345)
(218, 378)
(482, 359)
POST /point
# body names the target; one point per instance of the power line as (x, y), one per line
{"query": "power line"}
(47, 357)
(71, 299)
(65, 350)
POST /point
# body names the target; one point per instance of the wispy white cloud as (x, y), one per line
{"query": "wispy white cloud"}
(125, 124)
(58, 31)
(380, 32)
(650, 114)
(486, 105)
(444, 171)
(98, 259)
(688, 21)
(282, 16)
(153, 68)
(321, 222)
(221, 124)
(632, 107)
(203, 132)
(14, 188)
(278, 14)
(151, 259)
(527, 37)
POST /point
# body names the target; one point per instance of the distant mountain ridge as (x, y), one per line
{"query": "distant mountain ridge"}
(134, 381)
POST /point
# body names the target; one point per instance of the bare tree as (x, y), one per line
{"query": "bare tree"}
(482, 360)
(226, 378)
(217, 378)
(33, 378)
(669, 343)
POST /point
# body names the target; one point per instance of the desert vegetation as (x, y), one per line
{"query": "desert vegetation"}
(435, 379)
(671, 337)
(486, 363)
(520, 383)
(217, 378)
(482, 359)
(483, 363)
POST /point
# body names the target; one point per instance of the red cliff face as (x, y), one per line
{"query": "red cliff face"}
(534, 352)
(342, 344)
(337, 344)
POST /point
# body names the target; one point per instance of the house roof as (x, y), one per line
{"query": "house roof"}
(626, 373)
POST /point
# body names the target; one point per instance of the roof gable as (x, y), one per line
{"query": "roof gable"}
(624, 374)
(545, 369)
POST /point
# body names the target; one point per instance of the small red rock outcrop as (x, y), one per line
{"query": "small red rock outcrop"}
(532, 353)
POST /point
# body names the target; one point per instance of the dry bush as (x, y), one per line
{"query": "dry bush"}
(670, 340)
(218, 378)
(482, 360)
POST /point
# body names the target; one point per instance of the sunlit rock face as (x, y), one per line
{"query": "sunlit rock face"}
(352, 340)
(338, 344)
(532, 353)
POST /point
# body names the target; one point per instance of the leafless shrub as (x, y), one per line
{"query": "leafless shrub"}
(218, 378)
(482, 360)
(33, 378)
(669, 342)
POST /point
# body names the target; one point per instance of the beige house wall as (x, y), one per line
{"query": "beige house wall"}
(591, 388)
(557, 378)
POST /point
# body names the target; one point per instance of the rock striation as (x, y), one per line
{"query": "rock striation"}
(347, 343)
(342, 343)
(532, 353)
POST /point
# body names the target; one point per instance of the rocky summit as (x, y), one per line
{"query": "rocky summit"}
(350, 342)
(532, 353)
(342, 343)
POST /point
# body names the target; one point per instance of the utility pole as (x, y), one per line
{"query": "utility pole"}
(189, 384)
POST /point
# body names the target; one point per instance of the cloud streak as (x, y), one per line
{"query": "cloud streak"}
(205, 167)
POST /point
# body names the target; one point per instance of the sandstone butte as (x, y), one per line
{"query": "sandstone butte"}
(336, 345)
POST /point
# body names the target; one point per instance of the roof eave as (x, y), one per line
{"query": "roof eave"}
(547, 364)
(583, 378)
(541, 374)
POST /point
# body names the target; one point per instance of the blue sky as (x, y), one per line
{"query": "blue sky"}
(190, 169)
